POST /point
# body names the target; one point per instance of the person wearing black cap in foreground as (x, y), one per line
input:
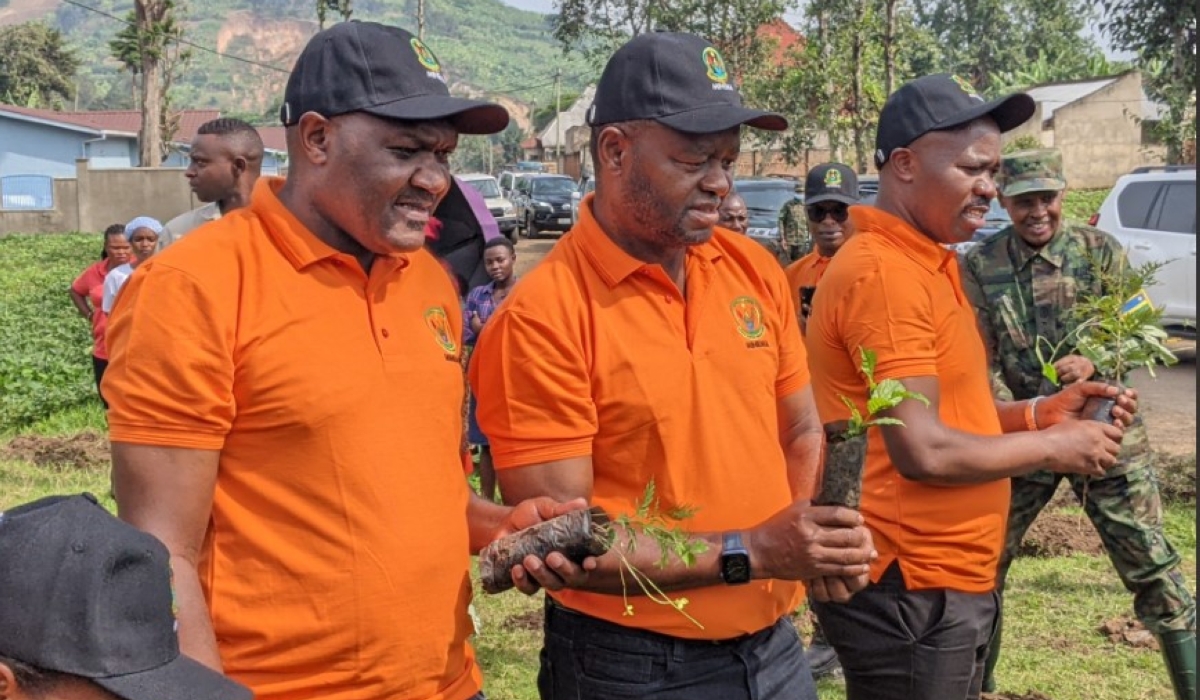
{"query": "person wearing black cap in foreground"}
(935, 492)
(653, 345)
(289, 390)
(86, 610)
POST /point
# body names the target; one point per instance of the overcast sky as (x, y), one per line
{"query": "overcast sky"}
(547, 6)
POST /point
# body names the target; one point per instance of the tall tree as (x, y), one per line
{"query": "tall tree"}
(1163, 34)
(149, 47)
(984, 39)
(39, 68)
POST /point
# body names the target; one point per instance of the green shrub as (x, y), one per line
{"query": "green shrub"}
(1079, 205)
(45, 346)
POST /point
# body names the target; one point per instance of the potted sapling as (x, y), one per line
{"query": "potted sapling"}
(846, 441)
(1120, 331)
(592, 532)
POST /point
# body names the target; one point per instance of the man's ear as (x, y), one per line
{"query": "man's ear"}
(314, 132)
(903, 163)
(8, 683)
(239, 165)
(612, 148)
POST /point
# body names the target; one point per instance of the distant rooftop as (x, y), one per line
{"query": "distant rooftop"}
(1052, 96)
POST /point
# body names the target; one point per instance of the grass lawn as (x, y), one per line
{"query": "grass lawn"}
(1055, 605)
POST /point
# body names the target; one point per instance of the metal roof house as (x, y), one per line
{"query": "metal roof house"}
(1098, 124)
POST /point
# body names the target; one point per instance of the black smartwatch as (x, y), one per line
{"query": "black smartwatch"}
(735, 560)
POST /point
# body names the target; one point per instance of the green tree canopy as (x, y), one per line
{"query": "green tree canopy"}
(38, 68)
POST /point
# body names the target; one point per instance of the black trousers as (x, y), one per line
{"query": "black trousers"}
(584, 658)
(897, 644)
(98, 367)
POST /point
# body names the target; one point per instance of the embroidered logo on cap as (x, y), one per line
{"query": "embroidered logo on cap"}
(833, 178)
(426, 58)
(966, 87)
(715, 66)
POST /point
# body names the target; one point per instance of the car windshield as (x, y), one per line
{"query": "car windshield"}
(553, 185)
(486, 187)
(764, 201)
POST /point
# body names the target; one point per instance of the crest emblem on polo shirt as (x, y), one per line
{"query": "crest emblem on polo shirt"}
(439, 324)
(833, 178)
(715, 65)
(424, 56)
(748, 316)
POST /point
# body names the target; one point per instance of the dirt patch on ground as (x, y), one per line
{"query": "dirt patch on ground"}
(83, 451)
(1129, 632)
(529, 621)
(1031, 695)
(1176, 477)
(1059, 534)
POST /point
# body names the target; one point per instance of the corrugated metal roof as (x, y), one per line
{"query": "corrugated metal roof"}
(1053, 96)
(123, 122)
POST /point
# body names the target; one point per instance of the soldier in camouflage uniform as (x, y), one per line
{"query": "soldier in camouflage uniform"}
(1023, 282)
(794, 239)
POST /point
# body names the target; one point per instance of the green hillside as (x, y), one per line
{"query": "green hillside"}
(485, 45)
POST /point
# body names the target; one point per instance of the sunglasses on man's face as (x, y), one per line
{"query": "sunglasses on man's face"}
(818, 212)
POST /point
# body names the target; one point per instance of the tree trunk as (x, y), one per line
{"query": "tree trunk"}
(889, 46)
(856, 56)
(149, 14)
(421, 20)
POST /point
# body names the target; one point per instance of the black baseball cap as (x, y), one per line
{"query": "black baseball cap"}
(678, 80)
(939, 102)
(381, 70)
(85, 594)
(831, 182)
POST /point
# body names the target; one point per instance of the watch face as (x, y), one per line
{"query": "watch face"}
(735, 567)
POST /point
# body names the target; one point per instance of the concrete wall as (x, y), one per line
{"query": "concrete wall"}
(1101, 136)
(97, 198)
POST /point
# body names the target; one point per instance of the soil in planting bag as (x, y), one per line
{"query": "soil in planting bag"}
(842, 471)
(1099, 408)
(577, 535)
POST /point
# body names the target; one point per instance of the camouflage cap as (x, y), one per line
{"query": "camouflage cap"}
(1031, 171)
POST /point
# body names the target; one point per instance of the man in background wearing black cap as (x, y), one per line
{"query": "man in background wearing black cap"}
(829, 190)
(288, 419)
(935, 489)
(651, 347)
(86, 610)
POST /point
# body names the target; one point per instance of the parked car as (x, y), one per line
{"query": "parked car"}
(588, 185)
(1152, 212)
(543, 203)
(499, 205)
(868, 188)
(765, 198)
(996, 219)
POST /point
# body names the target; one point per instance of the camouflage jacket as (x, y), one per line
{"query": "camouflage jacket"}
(1020, 294)
(793, 231)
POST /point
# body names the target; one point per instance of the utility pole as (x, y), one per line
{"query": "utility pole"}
(558, 119)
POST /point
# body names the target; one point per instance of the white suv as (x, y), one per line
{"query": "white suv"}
(1152, 212)
(498, 204)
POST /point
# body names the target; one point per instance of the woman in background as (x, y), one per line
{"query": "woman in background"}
(142, 234)
(87, 293)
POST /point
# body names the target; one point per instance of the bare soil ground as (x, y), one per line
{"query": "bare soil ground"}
(1130, 632)
(82, 451)
(1031, 695)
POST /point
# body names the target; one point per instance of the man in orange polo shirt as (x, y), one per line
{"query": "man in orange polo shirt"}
(935, 490)
(650, 346)
(829, 190)
(286, 395)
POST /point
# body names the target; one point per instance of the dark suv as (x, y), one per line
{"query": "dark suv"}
(543, 203)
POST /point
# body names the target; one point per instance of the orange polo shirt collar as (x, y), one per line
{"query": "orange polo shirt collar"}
(299, 245)
(917, 246)
(613, 263)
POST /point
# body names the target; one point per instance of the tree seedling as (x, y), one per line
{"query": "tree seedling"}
(591, 532)
(845, 441)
